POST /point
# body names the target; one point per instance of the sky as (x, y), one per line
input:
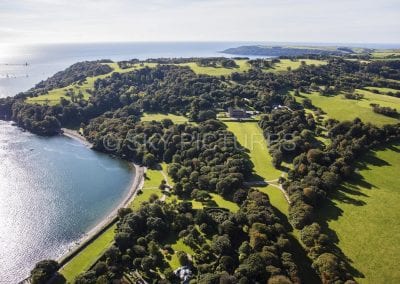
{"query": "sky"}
(331, 21)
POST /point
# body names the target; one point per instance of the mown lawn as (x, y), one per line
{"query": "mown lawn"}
(152, 182)
(284, 64)
(276, 198)
(338, 107)
(250, 136)
(218, 71)
(223, 203)
(216, 200)
(88, 256)
(178, 245)
(365, 217)
(161, 116)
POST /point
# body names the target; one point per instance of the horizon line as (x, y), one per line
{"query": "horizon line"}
(206, 41)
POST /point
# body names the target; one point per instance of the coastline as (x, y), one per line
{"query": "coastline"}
(111, 218)
(74, 134)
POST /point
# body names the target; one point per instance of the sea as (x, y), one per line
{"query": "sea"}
(54, 190)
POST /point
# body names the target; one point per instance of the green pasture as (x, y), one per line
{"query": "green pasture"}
(160, 116)
(250, 136)
(364, 216)
(284, 64)
(385, 53)
(86, 258)
(151, 183)
(338, 107)
(218, 71)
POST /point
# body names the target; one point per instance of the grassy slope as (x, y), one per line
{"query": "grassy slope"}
(218, 71)
(285, 63)
(54, 96)
(384, 53)
(250, 136)
(88, 256)
(178, 245)
(161, 116)
(223, 203)
(343, 109)
(365, 217)
(383, 90)
(152, 182)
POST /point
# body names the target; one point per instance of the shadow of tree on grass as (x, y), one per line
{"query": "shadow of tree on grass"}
(349, 192)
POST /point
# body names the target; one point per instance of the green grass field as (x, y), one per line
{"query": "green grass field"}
(216, 200)
(88, 256)
(384, 53)
(276, 198)
(341, 108)
(178, 245)
(365, 217)
(218, 71)
(152, 182)
(286, 63)
(53, 97)
(161, 116)
(249, 135)
(223, 203)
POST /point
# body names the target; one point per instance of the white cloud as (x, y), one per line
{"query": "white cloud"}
(161, 20)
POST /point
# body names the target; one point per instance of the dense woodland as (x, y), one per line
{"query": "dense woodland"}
(245, 247)
(252, 245)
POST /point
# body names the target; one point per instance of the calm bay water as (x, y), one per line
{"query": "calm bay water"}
(52, 191)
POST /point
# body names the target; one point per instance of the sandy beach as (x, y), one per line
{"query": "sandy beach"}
(137, 184)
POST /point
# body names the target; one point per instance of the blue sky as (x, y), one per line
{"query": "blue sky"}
(355, 21)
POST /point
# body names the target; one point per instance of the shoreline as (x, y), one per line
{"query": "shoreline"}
(74, 134)
(111, 218)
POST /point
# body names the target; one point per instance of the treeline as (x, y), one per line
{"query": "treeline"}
(176, 89)
(217, 62)
(388, 111)
(37, 119)
(317, 172)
